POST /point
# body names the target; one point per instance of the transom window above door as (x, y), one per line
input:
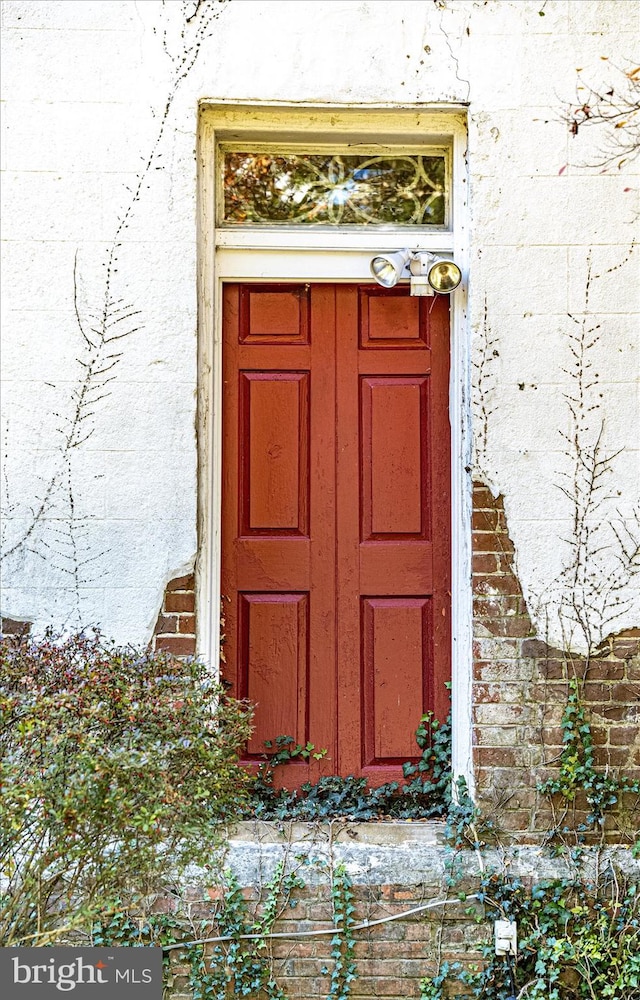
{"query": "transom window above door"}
(373, 186)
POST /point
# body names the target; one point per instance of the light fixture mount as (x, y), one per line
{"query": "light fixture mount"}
(429, 272)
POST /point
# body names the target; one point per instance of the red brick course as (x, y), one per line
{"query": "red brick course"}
(175, 630)
(15, 629)
(391, 958)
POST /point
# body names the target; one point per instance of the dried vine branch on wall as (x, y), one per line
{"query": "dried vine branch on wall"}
(55, 530)
(592, 592)
(484, 385)
(590, 595)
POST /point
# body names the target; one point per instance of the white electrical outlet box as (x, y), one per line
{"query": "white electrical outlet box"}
(506, 937)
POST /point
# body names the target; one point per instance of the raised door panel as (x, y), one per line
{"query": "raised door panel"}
(391, 319)
(274, 314)
(274, 453)
(393, 459)
(396, 676)
(273, 665)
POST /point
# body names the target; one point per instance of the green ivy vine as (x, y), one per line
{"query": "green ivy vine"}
(578, 773)
(343, 942)
(242, 965)
(576, 941)
(424, 794)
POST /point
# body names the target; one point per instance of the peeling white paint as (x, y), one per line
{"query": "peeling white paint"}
(85, 86)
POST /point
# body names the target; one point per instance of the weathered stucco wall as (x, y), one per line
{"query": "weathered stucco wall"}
(100, 206)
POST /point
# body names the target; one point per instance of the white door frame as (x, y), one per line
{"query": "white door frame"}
(323, 254)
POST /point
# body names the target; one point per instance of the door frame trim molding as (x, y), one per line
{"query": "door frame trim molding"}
(336, 256)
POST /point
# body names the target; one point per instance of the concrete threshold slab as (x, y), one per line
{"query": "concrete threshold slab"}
(340, 831)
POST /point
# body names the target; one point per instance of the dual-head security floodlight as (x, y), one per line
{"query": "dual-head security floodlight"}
(428, 272)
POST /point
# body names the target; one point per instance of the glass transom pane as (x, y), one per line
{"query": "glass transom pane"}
(267, 188)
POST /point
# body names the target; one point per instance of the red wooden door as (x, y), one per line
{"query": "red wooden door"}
(335, 521)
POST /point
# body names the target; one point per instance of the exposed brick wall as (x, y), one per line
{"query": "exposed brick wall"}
(13, 628)
(521, 684)
(175, 629)
(391, 958)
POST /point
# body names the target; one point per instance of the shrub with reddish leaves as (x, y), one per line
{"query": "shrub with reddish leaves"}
(118, 768)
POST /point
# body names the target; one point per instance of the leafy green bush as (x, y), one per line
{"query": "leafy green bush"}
(118, 769)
